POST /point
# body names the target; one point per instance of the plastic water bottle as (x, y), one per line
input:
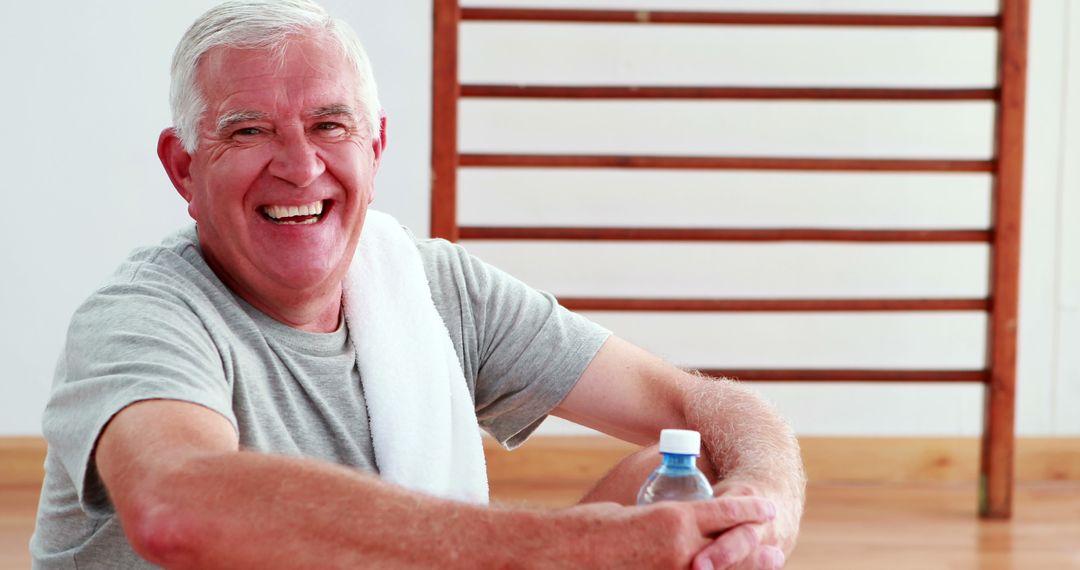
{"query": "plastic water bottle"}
(677, 478)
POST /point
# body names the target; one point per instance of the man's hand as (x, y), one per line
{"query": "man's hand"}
(748, 545)
(769, 538)
(714, 534)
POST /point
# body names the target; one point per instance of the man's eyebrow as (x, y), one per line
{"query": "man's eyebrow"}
(332, 110)
(229, 119)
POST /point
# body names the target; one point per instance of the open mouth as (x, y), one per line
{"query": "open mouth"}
(295, 215)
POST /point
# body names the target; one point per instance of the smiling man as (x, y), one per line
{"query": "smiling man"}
(282, 176)
(295, 381)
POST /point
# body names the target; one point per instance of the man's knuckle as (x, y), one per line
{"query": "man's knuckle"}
(671, 517)
(729, 510)
(751, 535)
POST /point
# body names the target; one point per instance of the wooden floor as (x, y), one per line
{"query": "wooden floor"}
(893, 527)
(17, 508)
(933, 527)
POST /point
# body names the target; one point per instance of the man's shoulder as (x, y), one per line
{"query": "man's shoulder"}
(172, 272)
(442, 259)
(175, 259)
(431, 245)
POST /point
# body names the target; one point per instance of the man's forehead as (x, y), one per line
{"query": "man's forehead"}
(306, 77)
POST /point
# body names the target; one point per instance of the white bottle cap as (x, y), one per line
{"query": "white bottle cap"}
(680, 441)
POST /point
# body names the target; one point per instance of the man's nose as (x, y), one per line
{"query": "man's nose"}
(296, 160)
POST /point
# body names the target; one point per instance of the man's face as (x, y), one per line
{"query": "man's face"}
(281, 180)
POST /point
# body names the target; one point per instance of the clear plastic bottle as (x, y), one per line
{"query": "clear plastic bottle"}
(678, 477)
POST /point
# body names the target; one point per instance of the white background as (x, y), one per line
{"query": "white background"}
(85, 94)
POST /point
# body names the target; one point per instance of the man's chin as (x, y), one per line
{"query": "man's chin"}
(301, 261)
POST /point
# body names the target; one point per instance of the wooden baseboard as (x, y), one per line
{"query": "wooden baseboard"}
(933, 459)
(580, 461)
(827, 459)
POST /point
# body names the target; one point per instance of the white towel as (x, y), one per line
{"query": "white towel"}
(423, 422)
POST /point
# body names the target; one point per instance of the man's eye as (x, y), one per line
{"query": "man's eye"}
(329, 127)
(246, 132)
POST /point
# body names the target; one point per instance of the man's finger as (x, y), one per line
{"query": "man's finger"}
(769, 558)
(729, 549)
(719, 514)
(766, 557)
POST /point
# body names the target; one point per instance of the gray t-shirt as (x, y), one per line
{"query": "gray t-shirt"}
(165, 327)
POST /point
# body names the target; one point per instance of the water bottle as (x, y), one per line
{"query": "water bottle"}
(677, 478)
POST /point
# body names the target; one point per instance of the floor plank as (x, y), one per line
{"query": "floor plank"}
(893, 527)
(18, 504)
(931, 527)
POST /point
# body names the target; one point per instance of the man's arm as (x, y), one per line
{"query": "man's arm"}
(748, 449)
(187, 497)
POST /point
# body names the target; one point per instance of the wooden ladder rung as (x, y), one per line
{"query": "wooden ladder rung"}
(720, 234)
(849, 375)
(721, 163)
(727, 18)
(742, 93)
(771, 305)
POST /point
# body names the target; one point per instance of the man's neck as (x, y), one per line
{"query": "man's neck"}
(310, 318)
(312, 311)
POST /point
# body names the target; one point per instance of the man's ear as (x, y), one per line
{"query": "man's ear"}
(380, 143)
(378, 146)
(177, 163)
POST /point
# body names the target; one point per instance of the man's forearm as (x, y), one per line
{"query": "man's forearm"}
(248, 510)
(744, 441)
(747, 443)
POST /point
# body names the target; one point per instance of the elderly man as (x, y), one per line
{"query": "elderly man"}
(296, 381)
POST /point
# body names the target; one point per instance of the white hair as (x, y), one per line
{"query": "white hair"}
(258, 24)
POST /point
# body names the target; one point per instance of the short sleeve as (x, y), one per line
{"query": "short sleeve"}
(522, 352)
(127, 343)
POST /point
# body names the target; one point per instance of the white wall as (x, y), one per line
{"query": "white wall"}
(84, 96)
(90, 95)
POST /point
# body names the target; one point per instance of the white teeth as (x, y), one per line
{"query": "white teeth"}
(278, 212)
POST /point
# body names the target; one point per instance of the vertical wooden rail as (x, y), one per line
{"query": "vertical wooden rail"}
(444, 110)
(996, 470)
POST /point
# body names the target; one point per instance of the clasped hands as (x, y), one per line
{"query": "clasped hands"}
(739, 529)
